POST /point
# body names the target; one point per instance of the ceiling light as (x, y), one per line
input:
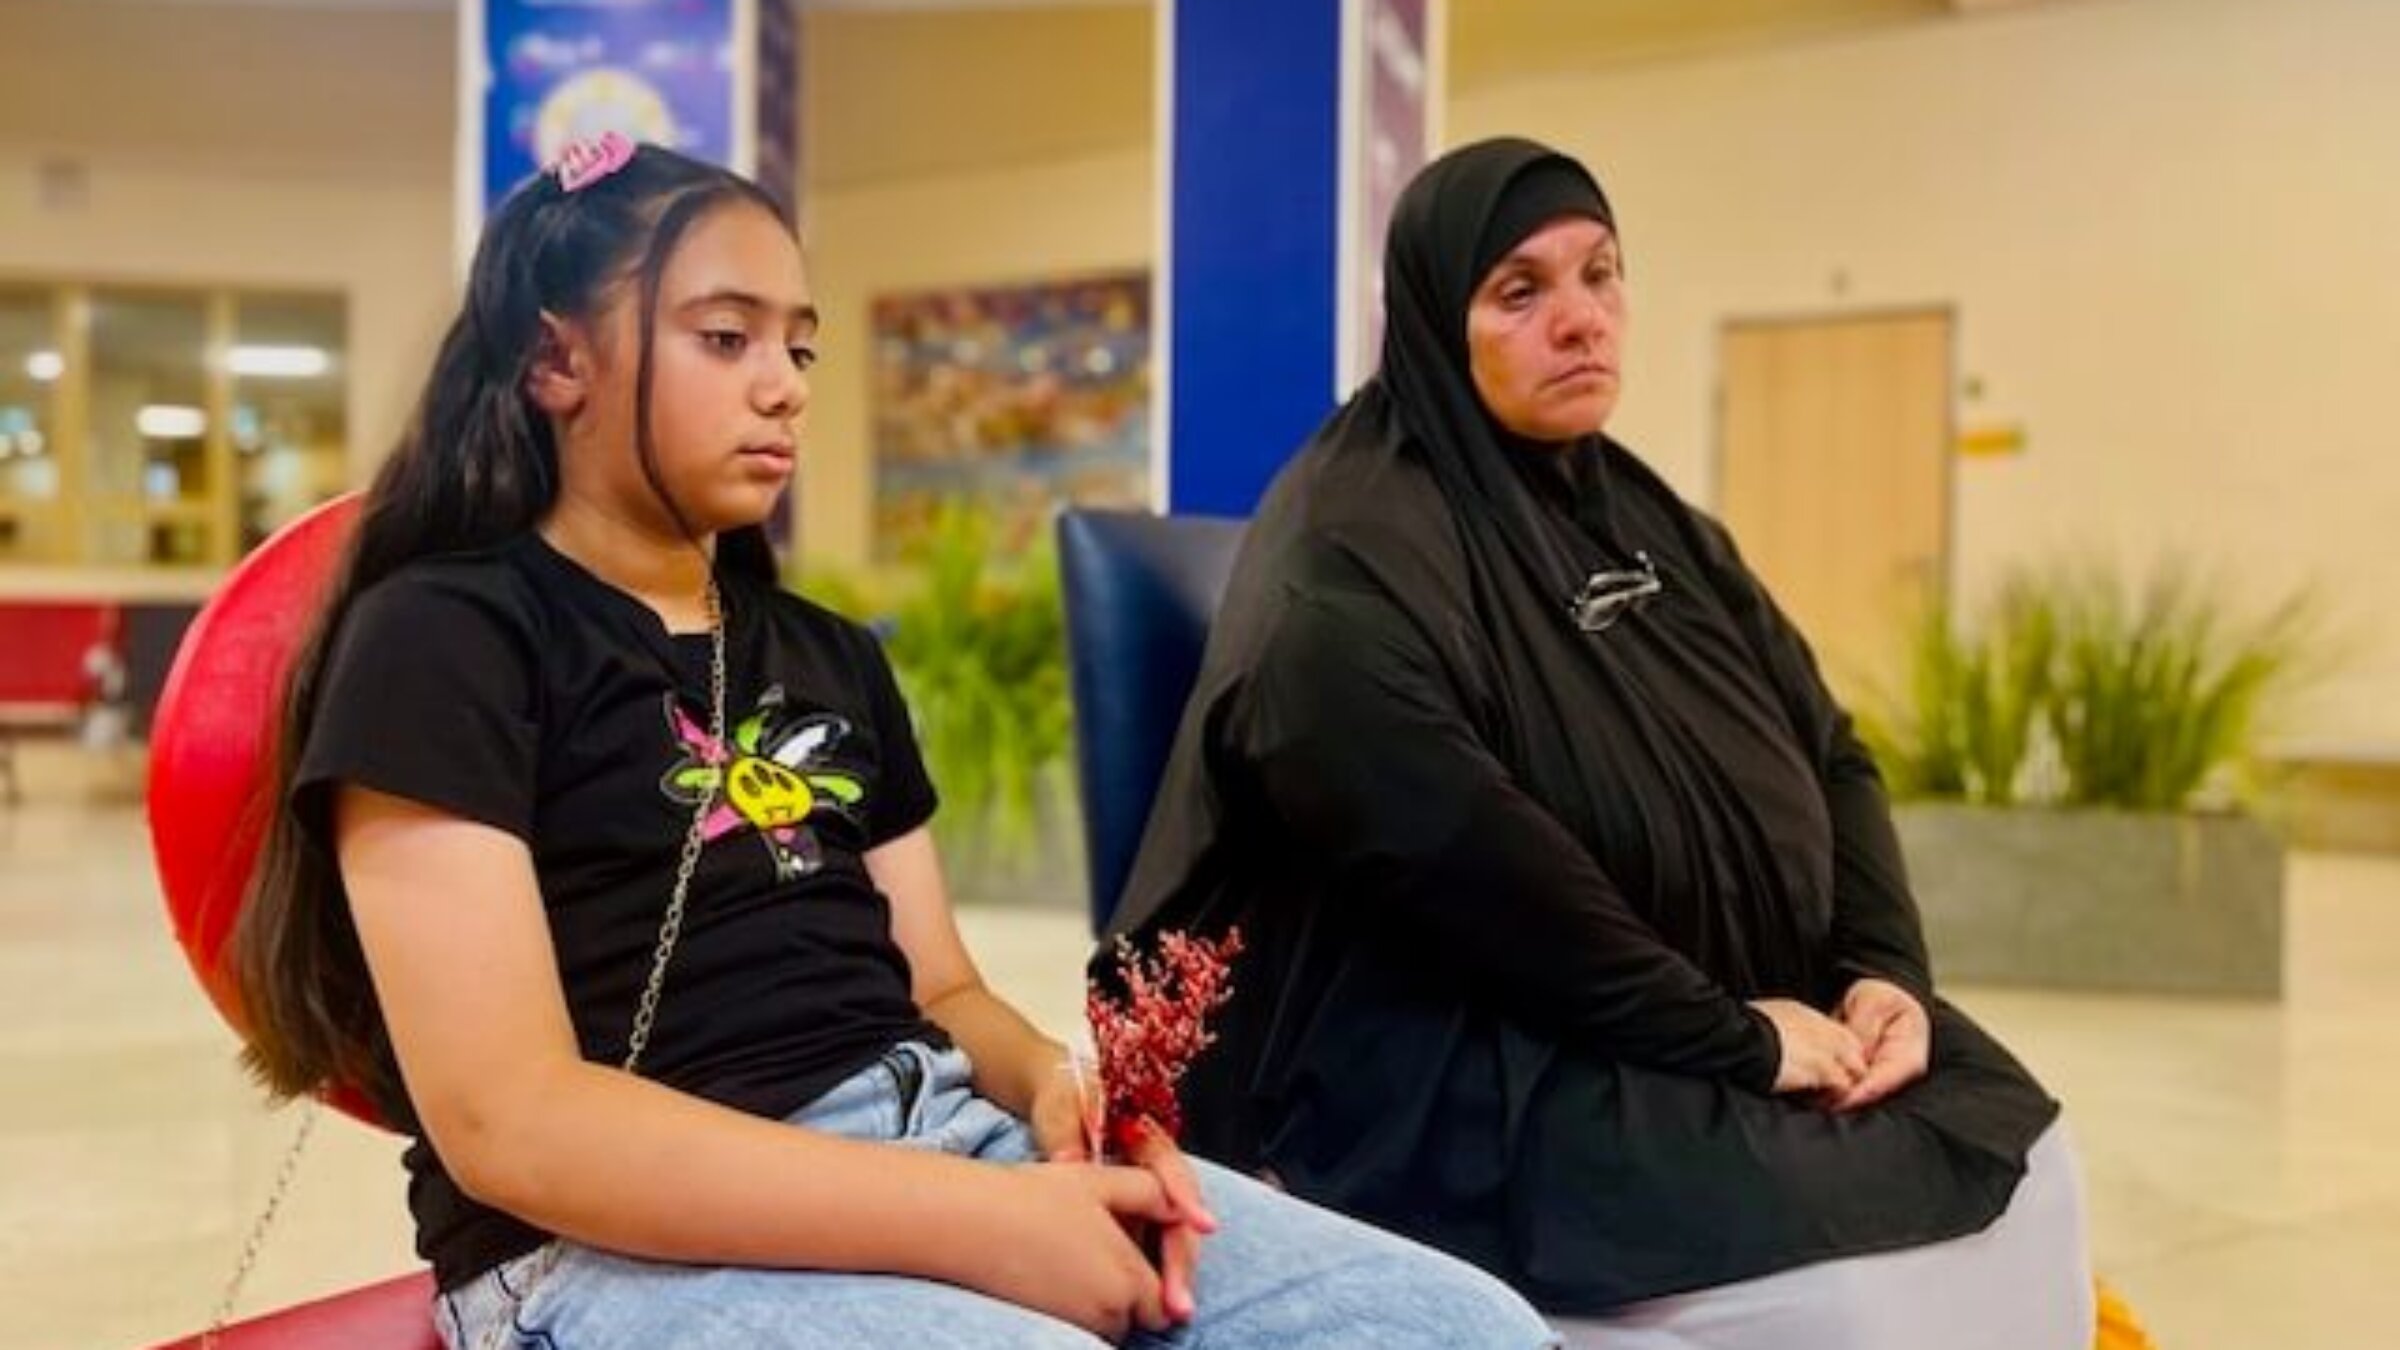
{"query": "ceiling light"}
(170, 422)
(278, 362)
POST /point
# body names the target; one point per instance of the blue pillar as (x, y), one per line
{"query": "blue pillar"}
(1289, 126)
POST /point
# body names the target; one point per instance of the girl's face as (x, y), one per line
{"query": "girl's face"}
(733, 337)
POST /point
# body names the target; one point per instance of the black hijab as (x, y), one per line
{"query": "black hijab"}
(1458, 219)
(1674, 760)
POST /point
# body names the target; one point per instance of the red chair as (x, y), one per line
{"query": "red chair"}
(210, 746)
(59, 656)
(388, 1316)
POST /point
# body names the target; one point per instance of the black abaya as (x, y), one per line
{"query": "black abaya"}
(1508, 884)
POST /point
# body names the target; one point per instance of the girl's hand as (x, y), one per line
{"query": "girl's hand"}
(1066, 1121)
(1179, 1240)
(1067, 1112)
(1065, 1246)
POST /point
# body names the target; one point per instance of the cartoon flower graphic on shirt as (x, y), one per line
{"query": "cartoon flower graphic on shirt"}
(773, 778)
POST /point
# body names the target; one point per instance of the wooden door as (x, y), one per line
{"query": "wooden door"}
(1833, 474)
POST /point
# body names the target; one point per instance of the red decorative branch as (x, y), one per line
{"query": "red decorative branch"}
(1149, 1037)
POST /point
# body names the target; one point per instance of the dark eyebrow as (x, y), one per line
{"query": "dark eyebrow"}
(1524, 257)
(801, 314)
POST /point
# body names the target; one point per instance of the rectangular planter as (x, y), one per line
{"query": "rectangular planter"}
(2094, 899)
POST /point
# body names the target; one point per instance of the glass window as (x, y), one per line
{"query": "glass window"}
(30, 364)
(287, 427)
(152, 426)
(147, 487)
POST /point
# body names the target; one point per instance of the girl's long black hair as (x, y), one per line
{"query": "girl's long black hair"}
(476, 466)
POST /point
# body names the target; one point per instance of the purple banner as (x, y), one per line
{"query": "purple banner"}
(1393, 130)
(657, 70)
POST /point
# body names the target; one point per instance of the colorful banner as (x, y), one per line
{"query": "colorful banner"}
(1012, 400)
(554, 70)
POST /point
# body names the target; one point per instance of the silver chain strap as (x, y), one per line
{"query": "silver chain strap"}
(309, 1111)
(645, 1017)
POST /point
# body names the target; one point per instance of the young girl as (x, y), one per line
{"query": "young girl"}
(604, 872)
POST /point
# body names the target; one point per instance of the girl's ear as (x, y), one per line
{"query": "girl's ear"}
(560, 377)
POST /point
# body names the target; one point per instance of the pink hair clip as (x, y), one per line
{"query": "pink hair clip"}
(582, 163)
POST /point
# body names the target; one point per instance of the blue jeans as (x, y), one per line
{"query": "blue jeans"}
(1278, 1272)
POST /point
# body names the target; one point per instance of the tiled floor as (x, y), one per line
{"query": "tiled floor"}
(2244, 1179)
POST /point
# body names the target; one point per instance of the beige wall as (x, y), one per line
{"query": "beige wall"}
(360, 89)
(247, 145)
(336, 173)
(383, 243)
(1008, 224)
(894, 94)
(2168, 226)
(967, 147)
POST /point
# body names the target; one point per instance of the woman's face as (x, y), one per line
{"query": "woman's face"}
(1545, 330)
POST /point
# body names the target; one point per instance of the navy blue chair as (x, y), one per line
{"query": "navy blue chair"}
(1140, 591)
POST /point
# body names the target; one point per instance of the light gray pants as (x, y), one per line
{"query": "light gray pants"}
(2024, 1283)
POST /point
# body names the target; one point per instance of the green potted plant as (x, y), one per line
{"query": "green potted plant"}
(977, 637)
(2075, 787)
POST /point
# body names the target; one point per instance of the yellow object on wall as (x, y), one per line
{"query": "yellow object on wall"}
(1999, 438)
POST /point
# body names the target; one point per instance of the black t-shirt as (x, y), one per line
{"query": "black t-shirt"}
(514, 688)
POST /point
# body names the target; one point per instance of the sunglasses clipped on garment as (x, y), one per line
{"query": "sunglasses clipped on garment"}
(1608, 596)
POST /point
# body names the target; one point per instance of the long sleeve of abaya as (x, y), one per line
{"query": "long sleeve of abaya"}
(1362, 749)
(1876, 928)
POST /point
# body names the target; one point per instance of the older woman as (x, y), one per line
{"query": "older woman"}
(1581, 944)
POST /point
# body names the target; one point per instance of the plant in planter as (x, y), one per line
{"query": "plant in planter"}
(977, 636)
(1968, 722)
(2123, 723)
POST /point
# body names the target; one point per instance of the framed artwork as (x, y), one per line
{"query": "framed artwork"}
(1011, 400)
